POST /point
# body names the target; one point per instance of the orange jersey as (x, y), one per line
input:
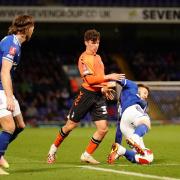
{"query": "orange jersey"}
(91, 69)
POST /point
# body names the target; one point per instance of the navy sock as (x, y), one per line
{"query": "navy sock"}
(130, 155)
(4, 141)
(141, 130)
(15, 134)
(118, 138)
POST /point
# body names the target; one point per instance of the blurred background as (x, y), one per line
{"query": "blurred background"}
(138, 38)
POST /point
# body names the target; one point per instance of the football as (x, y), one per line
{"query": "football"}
(147, 158)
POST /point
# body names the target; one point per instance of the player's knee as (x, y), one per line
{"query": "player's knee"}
(22, 127)
(9, 128)
(69, 126)
(148, 124)
(103, 131)
(145, 122)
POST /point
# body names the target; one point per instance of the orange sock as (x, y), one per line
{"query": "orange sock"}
(92, 146)
(60, 138)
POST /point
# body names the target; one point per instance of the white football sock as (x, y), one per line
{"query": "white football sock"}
(53, 149)
(121, 150)
(86, 154)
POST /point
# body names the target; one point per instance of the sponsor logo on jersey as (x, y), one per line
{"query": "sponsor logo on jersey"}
(12, 51)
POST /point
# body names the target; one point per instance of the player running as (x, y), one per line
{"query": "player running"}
(90, 99)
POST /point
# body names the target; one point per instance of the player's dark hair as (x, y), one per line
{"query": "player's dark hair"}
(91, 35)
(21, 24)
(144, 86)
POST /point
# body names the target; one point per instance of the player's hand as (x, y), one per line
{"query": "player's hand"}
(115, 77)
(10, 104)
(108, 93)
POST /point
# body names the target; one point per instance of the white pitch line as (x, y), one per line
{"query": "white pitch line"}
(128, 173)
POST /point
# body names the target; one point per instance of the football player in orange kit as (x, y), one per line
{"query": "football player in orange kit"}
(90, 99)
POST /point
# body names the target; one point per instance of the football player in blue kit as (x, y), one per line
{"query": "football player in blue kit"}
(11, 119)
(134, 122)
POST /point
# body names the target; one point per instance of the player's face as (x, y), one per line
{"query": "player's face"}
(30, 32)
(143, 93)
(92, 46)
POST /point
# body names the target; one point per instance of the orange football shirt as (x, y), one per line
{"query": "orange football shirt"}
(91, 69)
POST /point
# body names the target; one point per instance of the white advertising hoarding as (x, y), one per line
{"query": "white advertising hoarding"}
(93, 14)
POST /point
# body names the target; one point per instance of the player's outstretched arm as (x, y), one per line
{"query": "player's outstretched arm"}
(114, 77)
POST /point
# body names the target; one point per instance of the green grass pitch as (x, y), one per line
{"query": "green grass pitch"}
(27, 156)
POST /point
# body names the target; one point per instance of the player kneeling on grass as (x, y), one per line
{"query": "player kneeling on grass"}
(131, 155)
(134, 123)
